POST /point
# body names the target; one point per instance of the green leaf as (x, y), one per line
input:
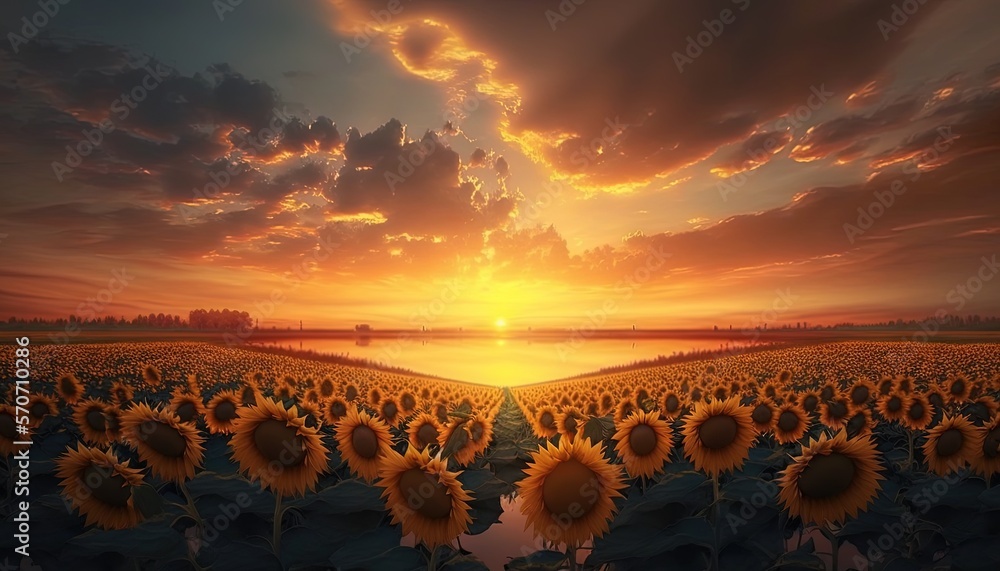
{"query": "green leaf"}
(147, 500)
(153, 539)
(545, 560)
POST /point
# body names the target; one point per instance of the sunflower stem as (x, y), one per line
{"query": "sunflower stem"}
(432, 562)
(715, 522)
(571, 555)
(191, 507)
(276, 535)
(834, 548)
(909, 458)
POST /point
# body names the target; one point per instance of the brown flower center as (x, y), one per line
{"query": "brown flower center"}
(108, 487)
(672, 403)
(389, 411)
(860, 394)
(427, 434)
(788, 421)
(38, 410)
(827, 476)
(949, 443)
(67, 386)
(186, 411)
(408, 402)
(570, 490)
(547, 420)
(958, 387)
(96, 420)
(991, 444)
(278, 442)
(163, 438)
(424, 494)
(894, 404)
(916, 411)
(364, 441)
(718, 432)
(762, 414)
(642, 439)
(225, 411)
(570, 424)
(809, 403)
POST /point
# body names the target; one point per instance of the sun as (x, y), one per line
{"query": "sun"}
(500, 323)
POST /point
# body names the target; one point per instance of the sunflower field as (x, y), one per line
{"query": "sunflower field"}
(179, 456)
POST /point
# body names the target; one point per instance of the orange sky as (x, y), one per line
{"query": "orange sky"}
(450, 165)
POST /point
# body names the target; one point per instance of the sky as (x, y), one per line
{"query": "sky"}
(440, 163)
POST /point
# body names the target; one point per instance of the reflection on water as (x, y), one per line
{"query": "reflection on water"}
(501, 361)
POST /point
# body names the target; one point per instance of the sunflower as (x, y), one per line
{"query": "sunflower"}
(90, 418)
(672, 405)
(40, 406)
(570, 422)
(957, 390)
(861, 392)
(763, 415)
(832, 480)
(626, 406)
(718, 435)
(274, 445)
(70, 389)
(388, 411)
(186, 406)
(481, 432)
(544, 423)
(113, 415)
(987, 462)
(980, 410)
(809, 401)
(172, 449)
(222, 411)
(859, 422)
(309, 412)
(121, 392)
(326, 388)
(334, 410)
(362, 440)
(250, 394)
(456, 436)
(952, 444)
(99, 487)
(152, 376)
(791, 424)
(408, 402)
(834, 412)
(350, 392)
(918, 412)
(9, 432)
(423, 431)
(892, 406)
(605, 403)
(885, 386)
(644, 443)
(424, 497)
(569, 491)
(440, 410)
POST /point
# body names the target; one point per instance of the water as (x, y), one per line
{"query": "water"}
(500, 360)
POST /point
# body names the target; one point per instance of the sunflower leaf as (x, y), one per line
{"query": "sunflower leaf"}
(545, 560)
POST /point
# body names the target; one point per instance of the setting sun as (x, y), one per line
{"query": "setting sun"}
(500, 323)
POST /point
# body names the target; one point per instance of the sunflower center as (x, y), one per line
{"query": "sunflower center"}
(389, 411)
(38, 410)
(565, 490)
(427, 434)
(958, 387)
(278, 442)
(351, 393)
(364, 441)
(718, 432)
(894, 404)
(949, 443)
(788, 421)
(672, 403)
(762, 414)
(109, 488)
(96, 420)
(809, 403)
(854, 426)
(163, 438)
(916, 411)
(8, 428)
(827, 476)
(477, 431)
(186, 411)
(991, 444)
(570, 424)
(409, 403)
(424, 494)
(67, 386)
(547, 420)
(859, 394)
(225, 411)
(642, 440)
(826, 393)
(837, 409)
(338, 409)
(326, 388)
